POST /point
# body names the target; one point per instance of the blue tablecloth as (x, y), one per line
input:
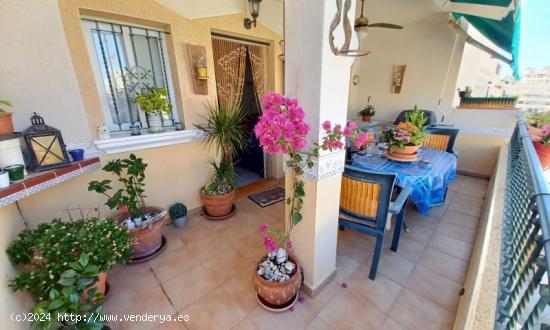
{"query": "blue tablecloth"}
(429, 181)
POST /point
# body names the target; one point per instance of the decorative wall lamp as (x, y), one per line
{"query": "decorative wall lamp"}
(254, 7)
(45, 145)
(200, 68)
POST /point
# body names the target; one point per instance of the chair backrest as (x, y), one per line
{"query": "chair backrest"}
(365, 196)
(440, 138)
(432, 118)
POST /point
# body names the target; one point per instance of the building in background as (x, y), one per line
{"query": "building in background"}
(533, 90)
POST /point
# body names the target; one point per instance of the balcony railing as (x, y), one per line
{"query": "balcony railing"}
(495, 103)
(524, 293)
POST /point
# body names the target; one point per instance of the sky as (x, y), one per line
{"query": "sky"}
(534, 51)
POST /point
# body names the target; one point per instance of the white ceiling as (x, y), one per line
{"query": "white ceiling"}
(271, 11)
(400, 11)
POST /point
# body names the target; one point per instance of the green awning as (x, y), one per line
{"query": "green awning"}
(503, 33)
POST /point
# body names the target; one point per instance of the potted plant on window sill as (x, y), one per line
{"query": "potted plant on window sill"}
(223, 130)
(143, 222)
(467, 92)
(154, 103)
(6, 122)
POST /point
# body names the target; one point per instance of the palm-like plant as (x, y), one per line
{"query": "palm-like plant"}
(4, 103)
(223, 130)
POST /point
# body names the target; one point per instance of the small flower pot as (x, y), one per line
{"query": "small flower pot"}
(77, 154)
(6, 123)
(366, 118)
(543, 152)
(15, 172)
(407, 150)
(155, 122)
(218, 205)
(278, 293)
(180, 222)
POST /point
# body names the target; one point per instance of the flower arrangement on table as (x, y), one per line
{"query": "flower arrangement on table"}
(405, 138)
(282, 129)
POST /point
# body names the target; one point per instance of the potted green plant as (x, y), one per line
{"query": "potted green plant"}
(538, 125)
(178, 213)
(143, 222)
(367, 113)
(74, 302)
(467, 92)
(223, 130)
(405, 138)
(154, 103)
(44, 254)
(6, 122)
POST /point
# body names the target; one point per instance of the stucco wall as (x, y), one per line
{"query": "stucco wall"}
(46, 68)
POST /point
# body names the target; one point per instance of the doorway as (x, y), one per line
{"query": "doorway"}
(240, 77)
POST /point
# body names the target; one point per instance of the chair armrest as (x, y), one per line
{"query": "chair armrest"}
(455, 152)
(397, 205)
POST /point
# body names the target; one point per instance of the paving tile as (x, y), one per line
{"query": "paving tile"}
(391, 324)
(189, 286)
(246, 324)
(347, 311)
(451, 246)
(409, 249)
(227, 263)
(172, 263)
(460, 232)
(345, 266)
(381, 292)
(214, 311)
(415, 312)
(461, 219)
(466, 204)
(437, 288)
(287, 320)
(444, 264)
(240, 288)
(395, 267)
(319, 324)
(251, 246)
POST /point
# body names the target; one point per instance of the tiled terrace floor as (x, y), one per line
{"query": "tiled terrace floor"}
(206, 274)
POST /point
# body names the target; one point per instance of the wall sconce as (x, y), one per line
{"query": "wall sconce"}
(201, 71)
(254, 7)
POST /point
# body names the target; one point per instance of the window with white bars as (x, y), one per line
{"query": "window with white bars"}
(127, 61)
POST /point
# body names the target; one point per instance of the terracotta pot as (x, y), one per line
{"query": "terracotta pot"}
(6, 123)
(218, 205)
(278, 293)
(145, 240)
(366, 118)
(543, 151)
(100, 286)
(407, 150)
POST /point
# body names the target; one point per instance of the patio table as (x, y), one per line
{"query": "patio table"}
(428, 177)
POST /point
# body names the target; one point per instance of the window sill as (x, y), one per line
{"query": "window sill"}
(145, 141)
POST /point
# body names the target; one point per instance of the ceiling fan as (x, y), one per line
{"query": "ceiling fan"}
(362, 25)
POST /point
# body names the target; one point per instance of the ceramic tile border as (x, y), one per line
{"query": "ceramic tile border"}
(84, 166)
(324, 166)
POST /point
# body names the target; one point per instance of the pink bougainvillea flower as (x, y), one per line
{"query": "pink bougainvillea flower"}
(288, 245)
(338, 129)
(326, 125)
(344, 285)
(263, 228)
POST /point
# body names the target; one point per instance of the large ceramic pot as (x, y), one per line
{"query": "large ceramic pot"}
(407, 150)
(6, 123)
(146, 241)
(543, 151)
(218, 205)
(100, 285)
(278, 293)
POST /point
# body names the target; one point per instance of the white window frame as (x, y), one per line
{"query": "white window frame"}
(87, 26)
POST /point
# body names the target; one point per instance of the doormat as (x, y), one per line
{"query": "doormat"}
(269, 196)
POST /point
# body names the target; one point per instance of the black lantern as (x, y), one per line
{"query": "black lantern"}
(45, 145)
(254, 6)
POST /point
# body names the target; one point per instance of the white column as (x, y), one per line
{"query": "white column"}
(320, 81)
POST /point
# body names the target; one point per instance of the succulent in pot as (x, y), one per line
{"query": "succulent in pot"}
(223, 131)
(467, 92)
(154, 103)
(143, 222)
(178, 213)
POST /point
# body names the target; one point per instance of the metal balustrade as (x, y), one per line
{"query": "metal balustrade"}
(524, 294)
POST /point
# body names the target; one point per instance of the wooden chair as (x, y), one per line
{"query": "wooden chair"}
(441, 138)
(365, 202)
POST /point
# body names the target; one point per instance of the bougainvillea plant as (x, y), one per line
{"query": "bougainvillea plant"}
(282, 129)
